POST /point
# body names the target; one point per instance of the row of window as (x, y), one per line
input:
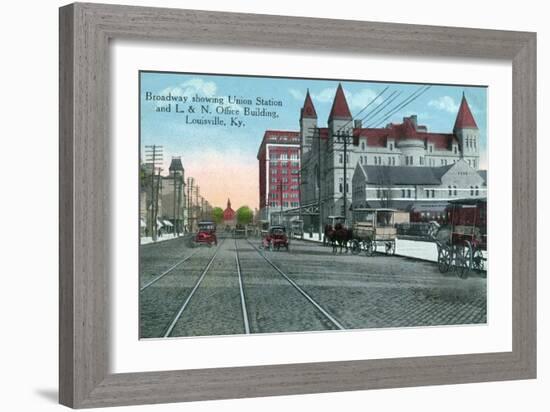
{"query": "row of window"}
(284, 180)
(283, 156)
(275, 195)
(363, 146)
(285, 171)
(429, 193)
(285, 187)
(285, 204)
(471, 142)
(284, 163)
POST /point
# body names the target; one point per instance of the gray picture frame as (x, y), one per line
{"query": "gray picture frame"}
(85, 32)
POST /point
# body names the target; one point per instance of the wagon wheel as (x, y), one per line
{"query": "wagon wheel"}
(443, 258)
(355, 246)
(463, 260)
(390, 248)
(370, 247)
(478, 261)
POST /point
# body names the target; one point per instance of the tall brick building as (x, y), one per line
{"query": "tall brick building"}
(279, 167)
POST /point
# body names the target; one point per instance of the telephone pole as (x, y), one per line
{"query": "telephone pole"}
(153, 159)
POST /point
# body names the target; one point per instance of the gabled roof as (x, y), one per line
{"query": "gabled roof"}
(340, 108)
(308, 110)
(405, 175)
(464, 118)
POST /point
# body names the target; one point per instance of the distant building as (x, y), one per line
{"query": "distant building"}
(173, 196)
(229, 216)
(279, 172)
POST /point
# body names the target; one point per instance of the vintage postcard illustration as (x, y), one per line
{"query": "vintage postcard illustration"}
(277, 205)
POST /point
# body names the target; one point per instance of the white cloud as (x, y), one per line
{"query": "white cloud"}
(445, 103)
(325, 95)
(198, 85)
(297, 94)
(361, 98)
(356, 100)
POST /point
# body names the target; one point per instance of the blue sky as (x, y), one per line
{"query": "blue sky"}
(436, 109)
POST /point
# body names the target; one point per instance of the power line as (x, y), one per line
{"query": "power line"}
(415, 95)
(382, 106)
(364, 108)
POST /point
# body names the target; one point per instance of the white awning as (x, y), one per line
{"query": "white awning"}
(167, 223)
(159, 224)
(142, 223)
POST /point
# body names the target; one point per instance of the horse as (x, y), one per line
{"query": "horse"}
(340, 236)
(440, 234)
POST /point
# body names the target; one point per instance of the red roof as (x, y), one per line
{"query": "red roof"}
(403, 131)
(464, 118)
(308, 110)
(228, 213)
(340, 107)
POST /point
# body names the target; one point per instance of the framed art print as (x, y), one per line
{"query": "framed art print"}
(283, 222)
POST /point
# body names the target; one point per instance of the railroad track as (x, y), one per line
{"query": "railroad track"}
(306, 295)
(167, 271)
(241, 290)
(182, 308)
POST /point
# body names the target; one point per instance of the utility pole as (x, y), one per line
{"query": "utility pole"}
(197, 205)
(345, 177)
(281, 201)
(159, 182)
(190, 183)
(153, 159)
(317, 133)
(175, 206)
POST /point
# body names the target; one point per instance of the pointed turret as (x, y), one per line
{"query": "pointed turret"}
(467, 133)
(340, 109)
(175, 164)
(308, 110)
(308, 124)
(464, 118)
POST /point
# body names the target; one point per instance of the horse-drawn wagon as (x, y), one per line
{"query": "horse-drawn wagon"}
(461, 243)
(373, 229)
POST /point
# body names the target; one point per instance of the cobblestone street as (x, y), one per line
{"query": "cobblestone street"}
(238, 288)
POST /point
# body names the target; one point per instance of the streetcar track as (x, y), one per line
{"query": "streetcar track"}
(154, 280)
(241, 290)
(188, 299)
(325, 313)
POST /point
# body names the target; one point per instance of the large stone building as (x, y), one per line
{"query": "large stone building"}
(416, 188)
(407, 147)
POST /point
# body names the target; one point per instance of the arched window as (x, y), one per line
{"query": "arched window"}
(454, 191)
(450, 191)
(471, 190)
(477, 190)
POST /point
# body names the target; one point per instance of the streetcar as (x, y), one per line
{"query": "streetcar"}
(206, 234)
